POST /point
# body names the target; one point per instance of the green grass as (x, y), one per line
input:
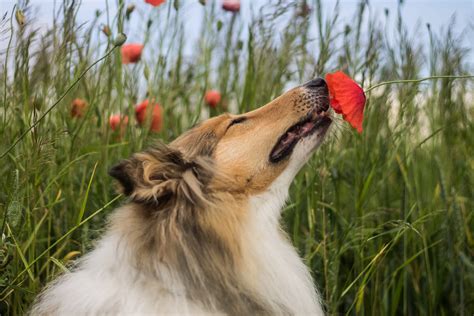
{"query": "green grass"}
(384, 219)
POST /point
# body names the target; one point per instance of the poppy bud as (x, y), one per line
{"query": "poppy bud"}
(146, 72)
(149, 23)
(304, 10)
(130, 9)
(106, 30)
(78, 108)
(20, 17)
(120, 39)
(219, 25)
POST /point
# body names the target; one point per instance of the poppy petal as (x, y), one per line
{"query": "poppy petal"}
(155, 3)
(347, 98)
(141, 113)
(131, 53)
(212, 98)
(231, 5)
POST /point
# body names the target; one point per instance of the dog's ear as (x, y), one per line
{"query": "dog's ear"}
(124, 174)
(161, 174)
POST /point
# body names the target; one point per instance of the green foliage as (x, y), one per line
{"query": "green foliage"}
(384, 219)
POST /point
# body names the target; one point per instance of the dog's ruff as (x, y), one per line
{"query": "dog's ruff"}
(106, 278)
(201, 236)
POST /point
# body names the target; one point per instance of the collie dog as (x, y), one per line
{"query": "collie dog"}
(200, 233)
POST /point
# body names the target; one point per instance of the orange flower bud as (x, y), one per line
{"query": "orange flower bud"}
(117, 120)
(212, 98)
(78, 108)
(231, 5)
(131, 53)
(106, 30)
(142, 112)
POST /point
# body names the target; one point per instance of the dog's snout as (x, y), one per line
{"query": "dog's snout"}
(316, 83)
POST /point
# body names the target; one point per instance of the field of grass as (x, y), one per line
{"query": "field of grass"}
(383, 218)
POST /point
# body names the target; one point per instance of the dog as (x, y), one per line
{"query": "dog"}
(200, 233)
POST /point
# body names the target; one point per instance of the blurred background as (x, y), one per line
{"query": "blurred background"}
(384, 218)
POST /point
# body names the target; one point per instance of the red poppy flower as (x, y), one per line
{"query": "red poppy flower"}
(347, 98)
(118, 121)
(78, 107)
(231, 5)
(212, 98)
(155, 3)
(131, 53)
(141, 113)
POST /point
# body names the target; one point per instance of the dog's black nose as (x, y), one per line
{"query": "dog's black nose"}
(315, 83)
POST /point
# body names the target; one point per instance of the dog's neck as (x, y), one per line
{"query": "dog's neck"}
(267, 206)
(273, 267)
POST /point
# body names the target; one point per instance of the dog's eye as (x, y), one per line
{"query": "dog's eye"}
(237, 121)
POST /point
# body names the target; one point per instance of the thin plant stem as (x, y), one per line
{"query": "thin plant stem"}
(417, 80)
(5, 70)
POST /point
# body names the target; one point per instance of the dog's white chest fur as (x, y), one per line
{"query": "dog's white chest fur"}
(280, 273)
(106, 282)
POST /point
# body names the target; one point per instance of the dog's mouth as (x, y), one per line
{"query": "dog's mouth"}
(311, 123)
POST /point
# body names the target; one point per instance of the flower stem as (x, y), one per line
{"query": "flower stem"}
(417, 80)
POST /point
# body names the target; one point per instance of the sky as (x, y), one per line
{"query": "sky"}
(435, 12)
(416, 13)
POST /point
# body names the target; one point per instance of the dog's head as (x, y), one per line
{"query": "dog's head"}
(248, 151)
